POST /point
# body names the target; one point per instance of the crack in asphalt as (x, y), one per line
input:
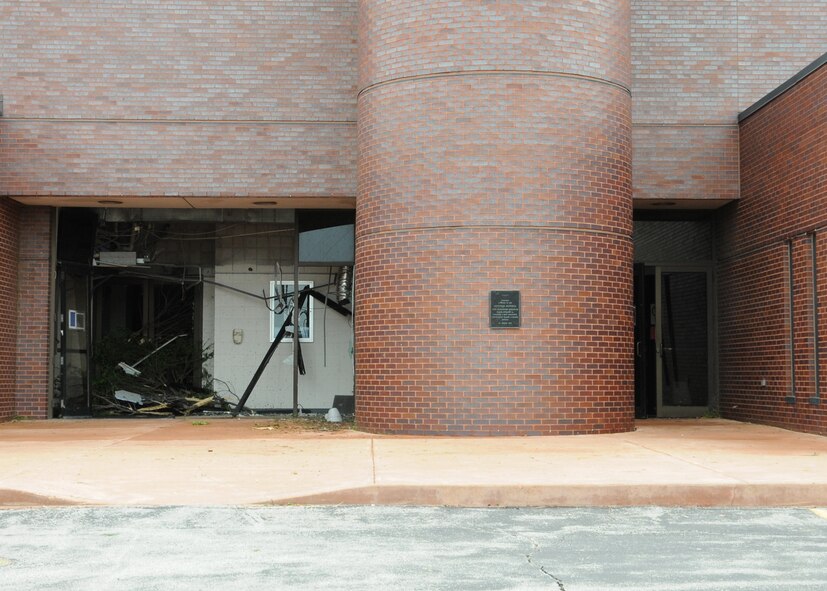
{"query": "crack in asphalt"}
(529, 558)
(556, 580)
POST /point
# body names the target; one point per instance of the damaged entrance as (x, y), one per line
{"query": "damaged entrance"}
(162, 312)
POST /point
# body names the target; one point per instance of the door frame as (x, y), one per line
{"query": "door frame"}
(641, 351)
(61, 350)
(666, 411)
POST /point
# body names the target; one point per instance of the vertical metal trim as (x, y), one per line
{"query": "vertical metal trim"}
(353, 331)
(90, 319)
(63, 332)
(296, 318)
(791, 398)
(53, 303)
(658, 345)
(715, 351)
(815, 399)
(641, 334)
(711, 394)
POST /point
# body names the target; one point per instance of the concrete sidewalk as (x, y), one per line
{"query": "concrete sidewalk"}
(705, 462)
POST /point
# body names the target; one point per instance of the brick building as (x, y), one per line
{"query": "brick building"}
(560, 222)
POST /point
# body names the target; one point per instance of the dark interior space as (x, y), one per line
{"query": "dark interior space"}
(123, 290)
(674, 263)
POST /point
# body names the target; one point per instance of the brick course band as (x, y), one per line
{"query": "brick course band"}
(482, 168)
(557, 228)
(176, 158)
(549, 73)
(181, 120)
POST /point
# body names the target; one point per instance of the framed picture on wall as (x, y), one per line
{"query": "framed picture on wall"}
(305, 314)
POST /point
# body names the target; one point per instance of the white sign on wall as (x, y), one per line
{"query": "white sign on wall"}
(77, 320)
(278, 317)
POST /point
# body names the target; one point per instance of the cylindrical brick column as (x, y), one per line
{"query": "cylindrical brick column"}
(494, 154)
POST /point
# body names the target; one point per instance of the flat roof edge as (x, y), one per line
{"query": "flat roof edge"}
(784, 87)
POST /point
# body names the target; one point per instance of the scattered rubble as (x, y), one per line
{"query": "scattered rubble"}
(303, 423)
(161, 388)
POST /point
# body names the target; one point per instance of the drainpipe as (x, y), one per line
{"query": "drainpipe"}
(791, 398)
(816, 398)
(296, 317)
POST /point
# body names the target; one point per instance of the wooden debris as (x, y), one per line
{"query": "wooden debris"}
(183, 406)
(162, 388)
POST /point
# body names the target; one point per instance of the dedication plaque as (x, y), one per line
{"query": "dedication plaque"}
(505, 309)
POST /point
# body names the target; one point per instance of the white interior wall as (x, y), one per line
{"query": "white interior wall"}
(248, 263)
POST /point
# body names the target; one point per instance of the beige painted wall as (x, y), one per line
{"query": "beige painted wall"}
(248, 263)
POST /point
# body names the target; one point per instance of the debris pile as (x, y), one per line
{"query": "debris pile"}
(304, 423)
(159, 383)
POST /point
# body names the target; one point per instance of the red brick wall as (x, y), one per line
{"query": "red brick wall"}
(587, 39)
(33, 343)
(776, 39)
(695, 65)
(234, 98)
(694, 162)
(783, 159)
(493, 158)
(197, 98)
(186, 159)
(9, 220)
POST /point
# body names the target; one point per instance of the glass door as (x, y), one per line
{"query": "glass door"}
(73, 341)
(683, 341)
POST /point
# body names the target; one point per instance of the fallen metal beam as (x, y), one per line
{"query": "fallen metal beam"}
(263, 365)
(332, 304)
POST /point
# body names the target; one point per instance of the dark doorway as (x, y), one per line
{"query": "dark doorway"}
(72, 320)
(71, 396)
(672, 341)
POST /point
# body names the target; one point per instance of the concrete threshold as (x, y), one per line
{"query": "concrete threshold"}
(224, 461)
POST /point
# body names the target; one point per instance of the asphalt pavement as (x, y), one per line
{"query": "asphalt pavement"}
(412, 548)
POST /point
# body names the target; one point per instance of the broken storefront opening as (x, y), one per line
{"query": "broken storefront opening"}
(162, 312)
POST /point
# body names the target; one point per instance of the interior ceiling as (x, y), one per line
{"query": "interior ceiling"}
(289, 202)
(682, 204)
(248, 215)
